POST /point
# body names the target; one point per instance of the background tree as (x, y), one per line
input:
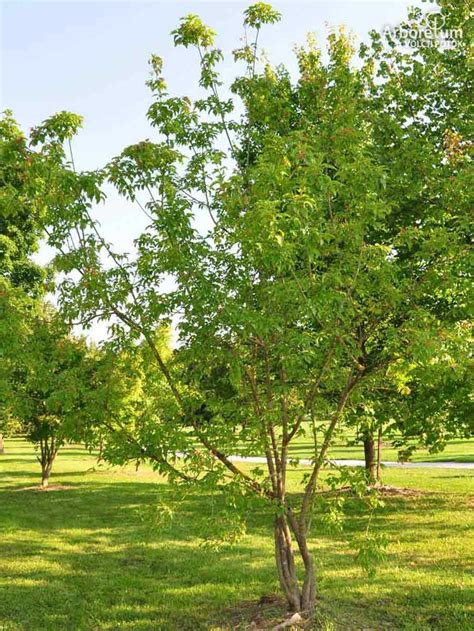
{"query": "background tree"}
(48, 387)
(419, 107)
(420, 404)
(16, 314)
(27, 182)
(311, 284)
(18, 229)
(20, 226)
(129, 398)
(439, 406)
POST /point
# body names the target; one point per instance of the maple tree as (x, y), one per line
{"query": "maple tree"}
(335, 264)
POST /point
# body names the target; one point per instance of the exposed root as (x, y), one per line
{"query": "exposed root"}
(266, 614)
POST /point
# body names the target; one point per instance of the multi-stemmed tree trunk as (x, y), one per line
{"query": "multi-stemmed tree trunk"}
(2, 445)
(285, 561)
(48, 452)
(300, 598)
(292, 523)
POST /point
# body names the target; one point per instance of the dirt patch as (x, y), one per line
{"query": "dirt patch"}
(262, 615)
(385, 490)
(40, 489)
(395, 491)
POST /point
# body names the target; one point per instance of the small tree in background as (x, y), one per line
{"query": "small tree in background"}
(46, 391)
(17, 312)
(419, 404)
(437, 405)
(129, 398)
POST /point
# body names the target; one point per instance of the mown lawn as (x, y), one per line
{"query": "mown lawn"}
(90, 557)
(343, 447)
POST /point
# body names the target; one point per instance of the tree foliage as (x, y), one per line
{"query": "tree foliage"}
(46, 391)
(27, 187)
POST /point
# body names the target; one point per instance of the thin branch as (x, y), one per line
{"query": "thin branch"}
(221, 113)
(309, 490)
(312, 393)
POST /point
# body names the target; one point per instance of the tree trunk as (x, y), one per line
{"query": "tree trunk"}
(46, 472)
(298, 599)
(379, 456)
(101, 450)
(285, 561)
(48, 454)
(2, 445)
(369, 454)
(308, 592)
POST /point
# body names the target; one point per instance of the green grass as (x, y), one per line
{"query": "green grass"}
(84, 558)
(455, 450)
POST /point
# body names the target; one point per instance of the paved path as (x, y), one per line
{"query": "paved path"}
(360, 463)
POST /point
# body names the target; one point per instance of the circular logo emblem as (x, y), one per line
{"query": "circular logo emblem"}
(435, 21)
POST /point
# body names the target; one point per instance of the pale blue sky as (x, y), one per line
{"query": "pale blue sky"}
(91, 58)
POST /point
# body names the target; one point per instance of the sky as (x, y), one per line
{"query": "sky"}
(91, 58)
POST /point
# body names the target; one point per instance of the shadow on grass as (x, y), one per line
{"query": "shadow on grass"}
(59, 478)
(94, 557)
(446, 477)
(85, 559)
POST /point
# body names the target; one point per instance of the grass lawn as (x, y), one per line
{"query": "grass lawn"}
(84, 558)
(455, 450)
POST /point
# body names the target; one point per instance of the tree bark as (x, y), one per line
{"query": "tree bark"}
(285, 561)
(308, 592)
(369, 455)
(302, 599)
(45, 479)
(379, 456)
(299, 599)
(2, 445)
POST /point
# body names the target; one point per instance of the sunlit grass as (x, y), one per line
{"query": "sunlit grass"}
(84, 558)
